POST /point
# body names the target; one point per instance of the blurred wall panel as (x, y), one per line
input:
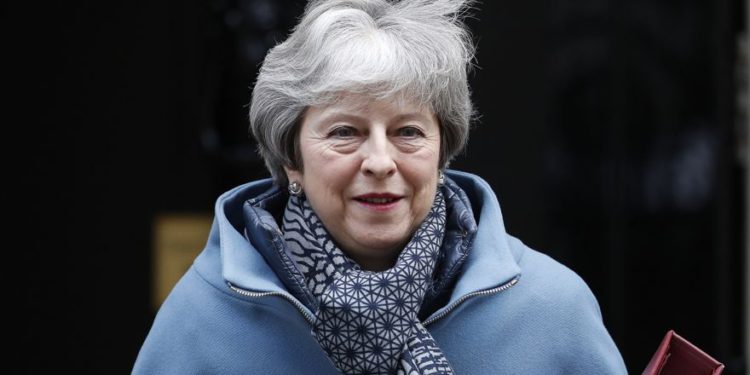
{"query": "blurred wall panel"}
(744, 111)
(639, 167)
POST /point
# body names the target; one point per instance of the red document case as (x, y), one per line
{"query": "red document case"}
(676, 355)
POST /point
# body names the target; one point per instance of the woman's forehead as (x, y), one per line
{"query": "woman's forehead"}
(356, 103)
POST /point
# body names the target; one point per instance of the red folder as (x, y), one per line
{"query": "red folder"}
(676, 355)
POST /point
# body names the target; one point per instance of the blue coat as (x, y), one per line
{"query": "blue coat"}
(513, 310)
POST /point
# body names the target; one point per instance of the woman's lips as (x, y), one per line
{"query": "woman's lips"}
(379, 202)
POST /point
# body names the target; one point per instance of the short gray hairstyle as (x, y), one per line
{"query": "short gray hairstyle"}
(416, 49)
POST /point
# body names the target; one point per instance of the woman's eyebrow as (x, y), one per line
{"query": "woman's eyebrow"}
(351, 117)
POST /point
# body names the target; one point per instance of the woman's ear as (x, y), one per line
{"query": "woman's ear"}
(293, 175)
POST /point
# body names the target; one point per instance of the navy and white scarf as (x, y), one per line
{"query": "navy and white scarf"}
(367, 321)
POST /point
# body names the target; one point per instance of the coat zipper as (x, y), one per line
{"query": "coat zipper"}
(431, 320)
(302, 309)
(463, 298)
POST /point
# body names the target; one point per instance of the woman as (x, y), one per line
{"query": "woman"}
(361, 255)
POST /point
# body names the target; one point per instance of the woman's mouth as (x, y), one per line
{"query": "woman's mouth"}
(378, 202)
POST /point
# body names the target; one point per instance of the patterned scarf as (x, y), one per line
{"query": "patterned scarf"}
(367, 321)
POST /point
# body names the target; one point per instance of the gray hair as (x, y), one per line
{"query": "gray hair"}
(415, 49)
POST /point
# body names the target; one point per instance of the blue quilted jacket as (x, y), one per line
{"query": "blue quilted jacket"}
(512, 310)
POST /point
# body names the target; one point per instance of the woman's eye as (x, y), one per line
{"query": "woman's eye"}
(410, 132)
(342, 132)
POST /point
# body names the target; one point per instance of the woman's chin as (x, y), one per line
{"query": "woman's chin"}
(376, 251)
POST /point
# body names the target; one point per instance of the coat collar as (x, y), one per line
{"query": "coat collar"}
(489, 264)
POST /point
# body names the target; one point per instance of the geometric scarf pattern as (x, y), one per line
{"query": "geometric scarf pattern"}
(366, 322)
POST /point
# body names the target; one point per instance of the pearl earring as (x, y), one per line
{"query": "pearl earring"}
(295, 188)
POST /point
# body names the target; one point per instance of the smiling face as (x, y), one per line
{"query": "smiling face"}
(370, 171)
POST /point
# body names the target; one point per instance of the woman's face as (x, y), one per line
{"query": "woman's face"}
(370, 173)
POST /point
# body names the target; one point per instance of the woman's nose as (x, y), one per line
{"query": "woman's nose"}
(378, 160)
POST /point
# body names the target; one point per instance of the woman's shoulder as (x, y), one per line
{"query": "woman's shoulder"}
(552, 304)
(550, 281)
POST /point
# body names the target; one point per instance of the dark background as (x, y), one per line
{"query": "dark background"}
(607, 129)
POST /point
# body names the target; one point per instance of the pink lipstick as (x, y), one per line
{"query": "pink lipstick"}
(380, 202)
